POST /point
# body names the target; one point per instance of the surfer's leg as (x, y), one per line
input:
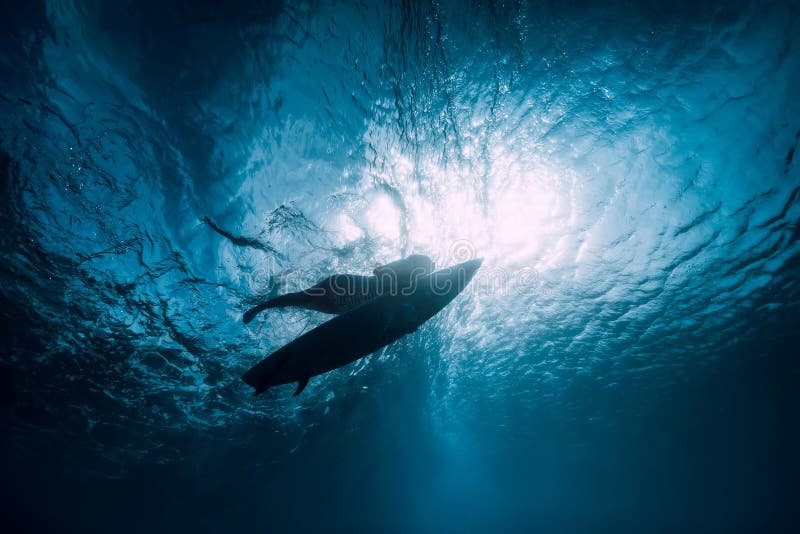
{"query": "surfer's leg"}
(290, 299)
(335, 294)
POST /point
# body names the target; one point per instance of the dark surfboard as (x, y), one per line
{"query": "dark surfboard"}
(361, 331)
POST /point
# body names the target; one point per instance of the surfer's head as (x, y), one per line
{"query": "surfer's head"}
(399, 275)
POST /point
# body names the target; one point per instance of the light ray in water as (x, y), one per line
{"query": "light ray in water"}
(624, 359)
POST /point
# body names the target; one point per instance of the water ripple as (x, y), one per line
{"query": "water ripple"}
(633, 190)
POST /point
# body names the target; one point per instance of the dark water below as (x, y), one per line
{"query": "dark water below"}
(626, 359)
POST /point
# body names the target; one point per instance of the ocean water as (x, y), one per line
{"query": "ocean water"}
(626, 359)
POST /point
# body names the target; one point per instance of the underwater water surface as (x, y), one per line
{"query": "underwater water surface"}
(624, 361)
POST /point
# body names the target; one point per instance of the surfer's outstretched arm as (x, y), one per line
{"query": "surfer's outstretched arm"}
(290, 299)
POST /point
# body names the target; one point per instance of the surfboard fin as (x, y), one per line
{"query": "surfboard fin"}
(301, 385)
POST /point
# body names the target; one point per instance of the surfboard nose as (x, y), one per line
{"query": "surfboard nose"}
(452, 280)
(466, 271)
(471, 267)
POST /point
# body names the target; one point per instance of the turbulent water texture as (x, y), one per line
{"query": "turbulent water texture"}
(623, 360)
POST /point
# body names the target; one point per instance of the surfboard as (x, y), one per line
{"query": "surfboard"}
(361, 331)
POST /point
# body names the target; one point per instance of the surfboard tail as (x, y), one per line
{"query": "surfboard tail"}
(259, 375)
(268, 372)
(256, 380)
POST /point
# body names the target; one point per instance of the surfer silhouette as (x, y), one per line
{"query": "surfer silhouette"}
(364, 329)
(341, 293)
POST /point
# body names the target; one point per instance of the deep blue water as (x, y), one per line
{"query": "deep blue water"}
(626, 359)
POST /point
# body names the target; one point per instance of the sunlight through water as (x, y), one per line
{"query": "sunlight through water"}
(626, 170)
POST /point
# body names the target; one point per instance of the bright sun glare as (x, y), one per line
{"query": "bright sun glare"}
(516, 215)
